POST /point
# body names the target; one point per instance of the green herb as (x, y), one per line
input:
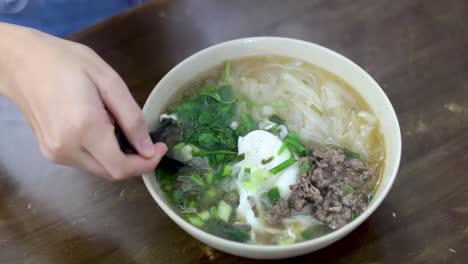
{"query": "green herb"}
(204, 120)
(266, 161)
(349, 188)
(226, 94)
(211, 91)
(282, 149)
(276, 119)
(198, 180)
(350, 154)
(305, 166)
(196, 221)
(242, 130)
(247, 170)
(248, 121)
(274, 195)
(241, 157)
(305, 82)
(209, 177)
(316, 109)
(307, 234)
(207, 140)
(186, 112)
(282, 166)
(222, 93)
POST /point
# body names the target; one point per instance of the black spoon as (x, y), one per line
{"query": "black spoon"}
(156, 136)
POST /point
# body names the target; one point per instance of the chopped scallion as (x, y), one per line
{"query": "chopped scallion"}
(205, 215)
(266, 161)
(283, 165)
(198, 180)
(209, 177)
(191, 205)
(227, 171)
(214, 211)
(296, 145)
(350, 154)
(276, 119)
(211, 192)
(224, 211)
(179, 146)
(316, 110)
(219, 158)
(275, 128)
(286, 241)
(203, 153)
(196, 221)
(274, 195)
(305, 166)
(281, 150)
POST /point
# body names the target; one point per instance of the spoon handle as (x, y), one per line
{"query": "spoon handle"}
(155, 136)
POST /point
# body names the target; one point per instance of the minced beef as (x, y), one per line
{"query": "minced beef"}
(331, 190)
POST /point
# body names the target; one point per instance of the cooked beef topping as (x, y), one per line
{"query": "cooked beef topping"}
(333, 190)
(280, 210)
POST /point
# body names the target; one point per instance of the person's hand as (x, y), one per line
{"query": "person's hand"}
(70, 98)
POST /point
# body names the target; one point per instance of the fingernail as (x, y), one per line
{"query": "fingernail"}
(147, 147)
(162, 148)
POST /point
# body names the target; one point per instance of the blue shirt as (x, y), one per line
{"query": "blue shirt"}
(61, 17)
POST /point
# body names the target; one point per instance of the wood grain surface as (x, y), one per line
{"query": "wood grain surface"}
(418, 52)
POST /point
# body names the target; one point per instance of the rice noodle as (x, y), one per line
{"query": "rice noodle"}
(320, 109)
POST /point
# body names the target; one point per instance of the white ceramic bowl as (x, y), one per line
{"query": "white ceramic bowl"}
(206, 59)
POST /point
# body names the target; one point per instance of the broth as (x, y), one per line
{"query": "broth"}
(280, 151)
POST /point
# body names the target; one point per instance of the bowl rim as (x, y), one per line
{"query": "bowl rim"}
(322, 240)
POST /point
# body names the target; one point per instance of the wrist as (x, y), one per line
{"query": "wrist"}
(12, 49)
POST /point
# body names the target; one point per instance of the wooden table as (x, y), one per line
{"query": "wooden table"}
(416, 50)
